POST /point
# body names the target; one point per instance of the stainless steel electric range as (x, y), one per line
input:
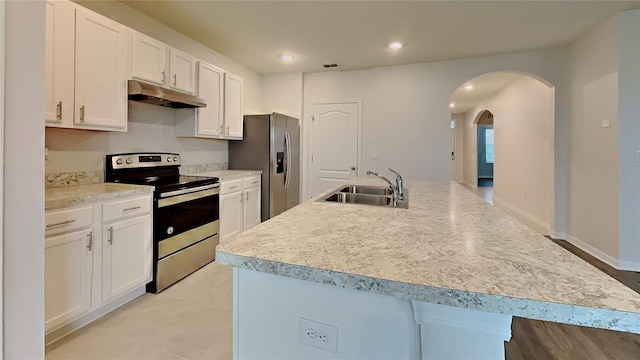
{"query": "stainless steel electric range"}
(185, 213)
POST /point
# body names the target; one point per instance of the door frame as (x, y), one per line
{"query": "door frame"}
(311, 166)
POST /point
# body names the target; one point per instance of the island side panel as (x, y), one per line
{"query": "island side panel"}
(268, 309)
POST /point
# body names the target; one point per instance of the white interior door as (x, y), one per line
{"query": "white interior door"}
(334, 145)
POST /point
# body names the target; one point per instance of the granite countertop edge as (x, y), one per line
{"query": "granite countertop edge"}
(223, 175)
(527, 308)
(64, 197)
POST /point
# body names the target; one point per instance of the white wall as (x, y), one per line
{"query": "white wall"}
(593, 204)
(282, 93)
(523, 119)
(23, 223)
(406, 113)
(629, 139)
(150, 127)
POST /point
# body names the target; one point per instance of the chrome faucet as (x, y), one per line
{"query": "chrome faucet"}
(399, 186)
(394, 188)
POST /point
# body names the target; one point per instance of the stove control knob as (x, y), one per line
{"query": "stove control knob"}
(175, 159)
(170, 230)
(129, 161)
(168, 158)
(119, 161)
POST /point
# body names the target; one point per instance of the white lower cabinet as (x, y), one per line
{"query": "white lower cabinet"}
(239, 205)
(95, 256)
(126, 256)
(68, 262)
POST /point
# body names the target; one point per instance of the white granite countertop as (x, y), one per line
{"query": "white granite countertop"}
(223, 175)
(449, 248)
(62, 197)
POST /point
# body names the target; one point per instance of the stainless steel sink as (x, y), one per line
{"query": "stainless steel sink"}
(365, 195)
(355, 198)
(360, 189)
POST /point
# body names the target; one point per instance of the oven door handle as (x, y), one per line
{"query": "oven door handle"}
(193, 195)
(189, 190)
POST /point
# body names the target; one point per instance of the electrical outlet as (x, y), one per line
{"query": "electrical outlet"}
(318, 335)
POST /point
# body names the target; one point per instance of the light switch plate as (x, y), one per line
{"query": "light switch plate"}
(606, 123)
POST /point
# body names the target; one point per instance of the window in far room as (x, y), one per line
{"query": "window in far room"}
(488, 133)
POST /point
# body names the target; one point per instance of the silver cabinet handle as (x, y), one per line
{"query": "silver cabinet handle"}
(131, 208)
(59, 111)
(221, 129)
(82, 113)
(90, 240)
(110, 235)
(66, 222)
(227, 129)
(254, 182)
(247, 196)
(163, 76)
(233, 187)
(175, 79)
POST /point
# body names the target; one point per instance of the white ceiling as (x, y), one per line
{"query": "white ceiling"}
(355, 34)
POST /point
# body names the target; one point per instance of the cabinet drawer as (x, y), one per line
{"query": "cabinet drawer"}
(68, 220)
(230, 186)
(251, 182)
(124, 208)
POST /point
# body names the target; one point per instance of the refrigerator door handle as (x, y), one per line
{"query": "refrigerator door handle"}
(287, 146)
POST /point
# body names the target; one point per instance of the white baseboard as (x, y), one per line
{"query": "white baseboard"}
(558, 235)
(607, 259)
(530, 220)
(629, 265)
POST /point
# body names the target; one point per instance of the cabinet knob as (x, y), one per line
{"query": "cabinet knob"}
(353, 168)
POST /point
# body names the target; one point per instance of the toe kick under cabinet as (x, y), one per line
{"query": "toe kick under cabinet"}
(97, 257)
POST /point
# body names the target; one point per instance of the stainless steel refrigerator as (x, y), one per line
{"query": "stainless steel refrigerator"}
(271, 143)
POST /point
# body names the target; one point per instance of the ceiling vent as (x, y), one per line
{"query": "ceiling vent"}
(328, 66)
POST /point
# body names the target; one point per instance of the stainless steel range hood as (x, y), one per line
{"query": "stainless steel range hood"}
(156, 95)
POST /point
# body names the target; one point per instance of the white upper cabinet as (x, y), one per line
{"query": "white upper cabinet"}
(86, 73)
(211, 89)
(183, 71)
(148, 62)
(222, 117)
(101, 76)
(60, 27)
(233, 86)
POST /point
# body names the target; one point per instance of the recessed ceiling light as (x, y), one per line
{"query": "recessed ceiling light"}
(286, 57)
(452, 105)
(395, 45)
(468, 87)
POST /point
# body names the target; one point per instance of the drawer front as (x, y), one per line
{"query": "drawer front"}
(227, 187)
(125, 208)
(251, 182)
(66, 220)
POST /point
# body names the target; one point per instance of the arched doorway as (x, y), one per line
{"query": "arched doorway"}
(517, 112)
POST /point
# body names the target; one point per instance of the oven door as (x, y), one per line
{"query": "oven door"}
(186, 226)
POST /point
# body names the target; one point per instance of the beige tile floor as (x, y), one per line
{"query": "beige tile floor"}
(190, 320)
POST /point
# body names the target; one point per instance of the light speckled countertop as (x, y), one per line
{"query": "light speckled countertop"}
(57, 198)
(229, 174)
(449, 248)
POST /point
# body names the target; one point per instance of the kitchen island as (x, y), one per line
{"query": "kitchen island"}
(438, 280)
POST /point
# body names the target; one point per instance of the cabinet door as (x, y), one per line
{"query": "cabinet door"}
(183, 71)
(126, 256)
(60, 20)
(68, 262)
(101, 77)
(231, 215)
(233, 85)
(148, 59)
(211, 90)
(251, 207)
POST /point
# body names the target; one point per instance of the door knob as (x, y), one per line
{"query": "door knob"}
(353, 168)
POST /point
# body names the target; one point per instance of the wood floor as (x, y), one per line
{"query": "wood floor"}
(534, 339)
